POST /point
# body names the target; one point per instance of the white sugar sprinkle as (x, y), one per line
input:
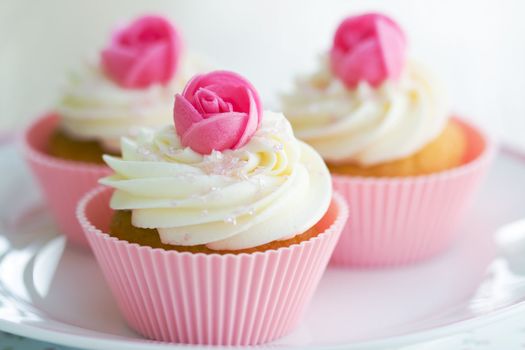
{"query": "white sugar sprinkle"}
(173, 150)
(231, 220)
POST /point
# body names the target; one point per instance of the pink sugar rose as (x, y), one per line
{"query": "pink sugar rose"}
(145, 52)
(370, 47)
(217, 111)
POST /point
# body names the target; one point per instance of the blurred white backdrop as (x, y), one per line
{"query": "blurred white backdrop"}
(476, 46)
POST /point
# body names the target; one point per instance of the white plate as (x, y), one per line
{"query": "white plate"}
(53, 292)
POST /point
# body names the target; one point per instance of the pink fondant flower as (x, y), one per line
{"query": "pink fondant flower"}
(145, 52)
(370, 47)
(217, 111)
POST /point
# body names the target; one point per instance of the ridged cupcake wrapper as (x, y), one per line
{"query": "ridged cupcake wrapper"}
(210, 299)
(62, 182)
(398, 221)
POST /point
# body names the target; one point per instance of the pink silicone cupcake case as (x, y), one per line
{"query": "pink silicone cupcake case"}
(62, 182)
(397, 221)
(215, 299)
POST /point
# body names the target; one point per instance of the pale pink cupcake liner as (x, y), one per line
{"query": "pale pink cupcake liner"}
(62, 182)
(398, 221)
(210, 299)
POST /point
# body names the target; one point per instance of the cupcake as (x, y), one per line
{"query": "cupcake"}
(132, 83)
(225, 219)
(407, 166)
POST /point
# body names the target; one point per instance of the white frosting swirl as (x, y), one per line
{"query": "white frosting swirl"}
(367, 126)
(95, 107)
(273, 188)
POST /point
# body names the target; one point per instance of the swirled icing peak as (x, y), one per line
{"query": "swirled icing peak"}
(366, 125)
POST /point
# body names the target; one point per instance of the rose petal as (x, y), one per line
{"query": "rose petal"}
(214, 78)
(353, 30)
(220, 78)
(364, 63)
(392, 44)
(145, 52)
(147, 68)
(116, 61)
(235, 95)
(218, 132)
(209, 102)
(184, 115)
(252, 122)
(369, 47)
(222, 89)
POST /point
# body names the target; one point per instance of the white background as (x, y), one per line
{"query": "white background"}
(477, 47)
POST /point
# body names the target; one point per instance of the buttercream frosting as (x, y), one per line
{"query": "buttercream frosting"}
(367, 125)
(272, 188)
(95, 107)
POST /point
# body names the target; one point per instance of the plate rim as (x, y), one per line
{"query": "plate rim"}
(91, 343)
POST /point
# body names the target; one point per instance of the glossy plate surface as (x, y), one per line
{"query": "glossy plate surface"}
(54, 292)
